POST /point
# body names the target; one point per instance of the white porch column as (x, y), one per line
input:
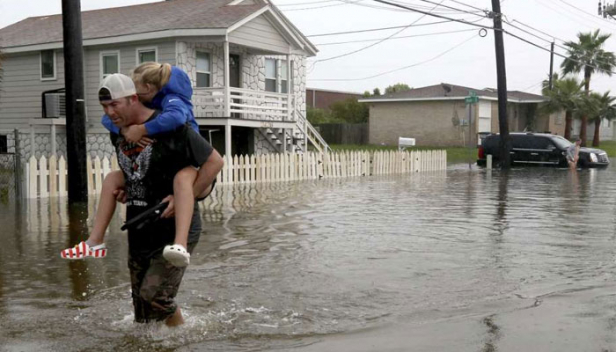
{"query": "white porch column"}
(284, 140)
(228, 138)
(227, 80)
(53, 139)
(32, 145)
(289, 74)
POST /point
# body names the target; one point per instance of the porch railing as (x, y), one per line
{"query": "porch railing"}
(243, 104)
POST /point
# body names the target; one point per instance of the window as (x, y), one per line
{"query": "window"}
(110, 63)
(4, 144)
(284, 77)
(204, 69)
(271, 72)
(48, 65)
(146, 55)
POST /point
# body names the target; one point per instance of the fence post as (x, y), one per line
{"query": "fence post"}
(53, 173)
(43, 172)
(62, 190)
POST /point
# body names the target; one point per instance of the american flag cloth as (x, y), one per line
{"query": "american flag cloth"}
(82, 250)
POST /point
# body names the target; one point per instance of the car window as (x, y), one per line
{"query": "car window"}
(519, 141)
(561, 142)
(542, 143)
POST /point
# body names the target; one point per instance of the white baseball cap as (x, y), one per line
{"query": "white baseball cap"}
(116, 86)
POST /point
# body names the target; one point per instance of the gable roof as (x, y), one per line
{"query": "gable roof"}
(445, 91)
(164, 18)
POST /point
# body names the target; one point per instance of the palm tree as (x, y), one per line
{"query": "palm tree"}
(587, 56)
(565, 95)
(602, 108)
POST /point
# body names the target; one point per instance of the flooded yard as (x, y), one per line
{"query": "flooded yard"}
(462, 260)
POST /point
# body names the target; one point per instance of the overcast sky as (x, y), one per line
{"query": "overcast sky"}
(470, 64)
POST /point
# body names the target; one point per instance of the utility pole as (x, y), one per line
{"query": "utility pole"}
(75, 104)
(551, 65)
(501, 75)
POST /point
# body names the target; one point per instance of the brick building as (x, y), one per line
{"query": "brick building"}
(323, 99)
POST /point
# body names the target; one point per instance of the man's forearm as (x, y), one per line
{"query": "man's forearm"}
(207, 173)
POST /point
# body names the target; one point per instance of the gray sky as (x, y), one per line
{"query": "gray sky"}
(471, 64)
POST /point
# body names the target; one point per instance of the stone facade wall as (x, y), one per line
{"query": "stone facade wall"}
(97, 144)
(252, 77)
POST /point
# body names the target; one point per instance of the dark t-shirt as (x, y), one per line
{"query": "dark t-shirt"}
(148, 174)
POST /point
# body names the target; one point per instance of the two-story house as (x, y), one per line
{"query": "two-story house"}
(246, 60)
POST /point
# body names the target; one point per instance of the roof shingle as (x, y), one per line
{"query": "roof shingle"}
(152, 17)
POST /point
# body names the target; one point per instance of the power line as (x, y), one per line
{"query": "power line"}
(579, 9)
(324, 6)
(473, 7)
(376, 29)
(449, 7)
(433, 15)
(373, 44)
(537, 30)
(401, 68)
(306, 3)
(406, 36)
(485, 27)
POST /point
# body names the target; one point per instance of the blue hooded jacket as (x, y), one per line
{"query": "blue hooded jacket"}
(174, 102)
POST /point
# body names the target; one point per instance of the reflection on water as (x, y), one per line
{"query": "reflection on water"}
(280, 263)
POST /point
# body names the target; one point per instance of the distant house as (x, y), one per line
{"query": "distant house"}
(437, 115)
(246, 60)
(324, 98)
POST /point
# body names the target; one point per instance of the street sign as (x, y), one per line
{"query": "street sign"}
(472, 98)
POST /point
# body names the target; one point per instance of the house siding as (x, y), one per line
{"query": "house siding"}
(21, 88)
(128, 61)
(430, 123)
(260, 33)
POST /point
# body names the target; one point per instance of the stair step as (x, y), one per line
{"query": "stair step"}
(269, 131)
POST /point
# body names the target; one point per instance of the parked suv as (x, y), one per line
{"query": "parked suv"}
(540, 149)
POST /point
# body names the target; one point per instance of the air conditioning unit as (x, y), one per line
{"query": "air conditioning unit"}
(55, 105)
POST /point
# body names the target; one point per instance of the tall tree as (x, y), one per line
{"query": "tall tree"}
(376, 92)
(601, 106)
(564, 96)
(587, 56)
(398, 87)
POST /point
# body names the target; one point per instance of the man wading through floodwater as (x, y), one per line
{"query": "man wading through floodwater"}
(149, 172)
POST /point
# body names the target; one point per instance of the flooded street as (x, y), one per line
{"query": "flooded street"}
(450, 261)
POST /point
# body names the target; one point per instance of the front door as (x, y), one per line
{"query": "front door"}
(234, 81)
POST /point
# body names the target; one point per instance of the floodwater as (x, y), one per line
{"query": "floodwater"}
(463, 260)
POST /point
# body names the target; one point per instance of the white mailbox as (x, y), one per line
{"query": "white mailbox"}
(404, 143)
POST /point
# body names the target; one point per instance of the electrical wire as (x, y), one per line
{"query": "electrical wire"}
(373, 44)
(589, 14)
(403, 37)
(401, 68)
(324, 6)
(375, 29)
(494, 29)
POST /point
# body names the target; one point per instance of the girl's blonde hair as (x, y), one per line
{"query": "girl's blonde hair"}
(152, 73)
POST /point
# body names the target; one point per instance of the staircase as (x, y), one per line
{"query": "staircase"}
(296, 139)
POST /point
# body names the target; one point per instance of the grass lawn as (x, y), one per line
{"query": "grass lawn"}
(608, 146)
(455, 155)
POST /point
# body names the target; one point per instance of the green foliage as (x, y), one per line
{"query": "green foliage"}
(319, 116)
(587, 55)
(398, 87)
(376, 92)
(350, 111)
(346, 111)
(367, 94)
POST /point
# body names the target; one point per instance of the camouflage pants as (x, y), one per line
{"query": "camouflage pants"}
(154, 285)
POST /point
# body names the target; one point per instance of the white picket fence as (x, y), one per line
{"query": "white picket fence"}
(293, 167)
(48, 178)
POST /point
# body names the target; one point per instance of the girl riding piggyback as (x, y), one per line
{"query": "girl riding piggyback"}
(168, 89)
